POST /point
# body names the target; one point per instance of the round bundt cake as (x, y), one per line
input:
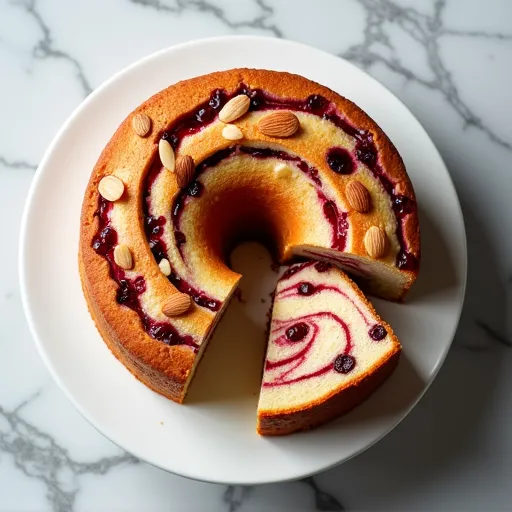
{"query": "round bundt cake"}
(236, 155)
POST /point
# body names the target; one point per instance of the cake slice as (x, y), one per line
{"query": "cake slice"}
(328, 350)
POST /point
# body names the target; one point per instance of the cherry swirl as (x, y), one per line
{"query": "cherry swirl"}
(296, 338)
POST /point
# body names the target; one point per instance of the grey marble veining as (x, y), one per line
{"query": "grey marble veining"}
(449, 61)
(258, 22)
(427, 30)
(38, 455)
(45, 46)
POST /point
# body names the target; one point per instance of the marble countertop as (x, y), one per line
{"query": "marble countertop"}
(449, 61)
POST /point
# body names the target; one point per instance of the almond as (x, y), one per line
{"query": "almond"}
(184, 170)
(141, 124)
(376, 242)
(177, 304)
(123, 256)
(165, 267)
(235, 108)
(166, 155)
(358, 196)
(232, 132)
(281, 123)
(111, 188)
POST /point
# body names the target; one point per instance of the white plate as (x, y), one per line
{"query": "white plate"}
(213, 437)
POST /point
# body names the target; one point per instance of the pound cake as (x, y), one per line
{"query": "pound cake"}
(230, 156)
(328, 350)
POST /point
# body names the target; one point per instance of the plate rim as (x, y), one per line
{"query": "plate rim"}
(23, 254)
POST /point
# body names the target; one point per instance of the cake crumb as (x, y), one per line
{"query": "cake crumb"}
(161, 423)
(263, 301)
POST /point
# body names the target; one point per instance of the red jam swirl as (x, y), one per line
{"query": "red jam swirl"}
(129, 290)
(301, 333)
(154, 234)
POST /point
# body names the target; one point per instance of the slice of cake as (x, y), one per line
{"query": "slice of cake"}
(328, 350)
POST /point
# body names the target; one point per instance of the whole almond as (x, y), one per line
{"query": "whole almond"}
(232, 132)
(123, 256)
(376, 242)
(141, 124)
(111, 188)
(184, 170)
(165, 267)
(358, 196)
(281, 123)
(235, 108)
(177, 304)
(166, 155)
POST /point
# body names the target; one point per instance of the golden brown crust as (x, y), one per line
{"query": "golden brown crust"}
(120, 326)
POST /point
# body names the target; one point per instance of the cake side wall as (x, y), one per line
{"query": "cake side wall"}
(338, 404)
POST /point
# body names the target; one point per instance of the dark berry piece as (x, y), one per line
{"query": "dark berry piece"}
(256, 103)
(127, 295)
(212, 304)
(216, 99)
(402, 205)
(378, 332)
(344, 363)
(367, 153)
(204, 115)
(317, 104)
(174, 141)
(406, 261)
(306, 289)
(194, 189)
(297, 332)
(105, 241)
(340, 161)
(322, 266)
(180, 237)
(123, 292)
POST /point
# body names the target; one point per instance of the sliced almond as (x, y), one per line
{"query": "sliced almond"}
(165, 267)
(111, 188)
(376, 242)
(184, 170)
(236, 107)
(141, 124)
(280, 123)
(232, 132)
(166, 155)
(177, 304)
(358, 196)
(123, 256)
